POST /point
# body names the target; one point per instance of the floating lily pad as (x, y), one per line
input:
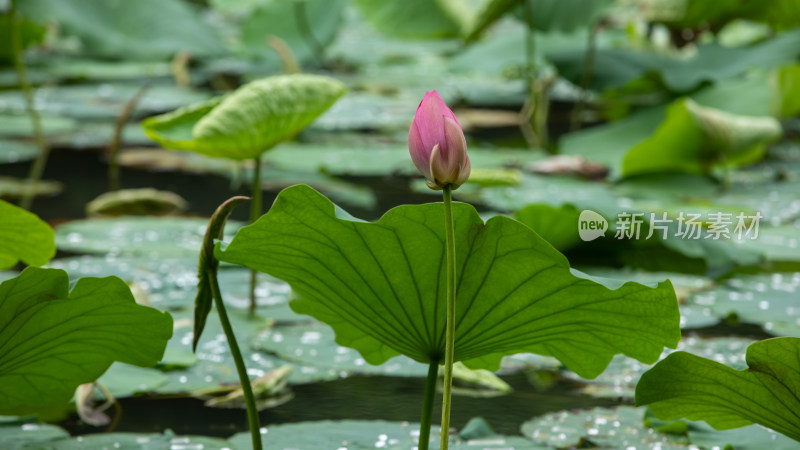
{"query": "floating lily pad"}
(620, 378)
(17, 434)
(364, 435)
(692, 316)
(16, 151)
(621, 427)
(626, 427)
(138, 441)
(104, 101)
(141, 236)
(125, 380)
(349, 160)
(777, 244)
(20, 125)
(769, 300)
(313, 344)
(145, 202)
(13, 188)
(170, 282)
(73, 69)
(712, 62)
(97, 135)
(215, 365)
(110, 29)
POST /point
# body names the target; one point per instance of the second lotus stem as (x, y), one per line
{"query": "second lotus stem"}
(247, 389)
(451, 314)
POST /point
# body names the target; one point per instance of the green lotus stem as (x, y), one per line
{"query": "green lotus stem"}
(451, 314)
(250, 401)
(37, 169)
(586, 78)
(255, 213)
(116, 139)
(427, 405)
(301, 16)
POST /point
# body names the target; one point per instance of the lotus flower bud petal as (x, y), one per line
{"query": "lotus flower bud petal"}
(419, 155)
(437, 145)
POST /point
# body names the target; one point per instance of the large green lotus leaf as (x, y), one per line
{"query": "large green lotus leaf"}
(488, 13)
(546, 15)
(380, 286)
(416, 18)
(767, 393)
(287, 21)
(614, 68)
(52, 340)
(144, 29)
(609, 143)
(251, 120)
(24, 236)
(780, 14)
(693, 139)
(565, 15)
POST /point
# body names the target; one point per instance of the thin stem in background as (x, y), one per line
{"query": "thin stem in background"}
(427, 406)
(283, 51)
(255, 213)
(451, 314)
(37, 169)
(116, 140)
(250, 401)
(301, 16)
(586, 78)
(530, 46)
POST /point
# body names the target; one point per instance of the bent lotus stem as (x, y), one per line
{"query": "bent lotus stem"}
(451, 313)
(208, 266)
(37, 169)
(241, 369)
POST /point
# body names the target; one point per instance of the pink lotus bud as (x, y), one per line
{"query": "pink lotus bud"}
(437, 145)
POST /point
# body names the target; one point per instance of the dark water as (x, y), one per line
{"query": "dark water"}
(83, 174)
(356, 398)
